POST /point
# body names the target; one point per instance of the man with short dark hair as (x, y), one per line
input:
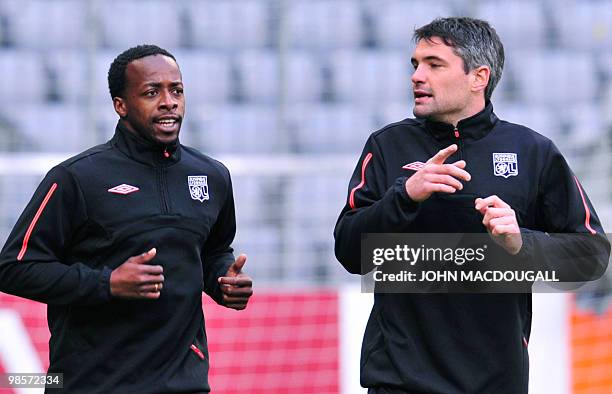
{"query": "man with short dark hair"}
(438, 174)
(121, 239)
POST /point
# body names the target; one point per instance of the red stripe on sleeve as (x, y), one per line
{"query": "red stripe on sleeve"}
(366, 161)
(24, 247)
(587, 211)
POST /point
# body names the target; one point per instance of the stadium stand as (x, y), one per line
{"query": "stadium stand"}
(125, 23)
(331, 128)
(231, 24)
(28, 27)
(394, 21)
(544, 77)
(584, 25)
(371, 77)
(323, 24)
(32, 89)
(522, 26)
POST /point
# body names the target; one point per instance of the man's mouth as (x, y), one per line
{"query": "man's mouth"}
(421, 96)
(168, 122)
(421, 93)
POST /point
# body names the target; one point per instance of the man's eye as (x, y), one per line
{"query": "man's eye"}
(434, 65)
(151, 93)
(178, 91)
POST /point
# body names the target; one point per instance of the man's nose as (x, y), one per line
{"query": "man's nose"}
(418, 76)
(167, 101)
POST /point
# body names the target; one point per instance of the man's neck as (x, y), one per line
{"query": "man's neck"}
(467, 112)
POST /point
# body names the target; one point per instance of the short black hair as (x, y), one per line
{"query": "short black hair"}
(474, 40)
(116, 72)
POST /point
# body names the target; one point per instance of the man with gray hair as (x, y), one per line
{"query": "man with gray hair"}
(457, 168)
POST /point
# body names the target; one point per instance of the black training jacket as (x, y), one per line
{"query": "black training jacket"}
(462, 343)
(85, 219)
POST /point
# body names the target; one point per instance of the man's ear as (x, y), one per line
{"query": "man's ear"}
(481, 78)
(120, 107)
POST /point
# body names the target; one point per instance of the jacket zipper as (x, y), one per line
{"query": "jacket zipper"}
(162, 184)
(458, 136)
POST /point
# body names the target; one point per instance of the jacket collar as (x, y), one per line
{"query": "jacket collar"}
(143, 150)
(474, 127)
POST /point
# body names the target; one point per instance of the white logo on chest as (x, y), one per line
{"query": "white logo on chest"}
(198, 187)
(505, 164)
(123, 189)
(414, 166)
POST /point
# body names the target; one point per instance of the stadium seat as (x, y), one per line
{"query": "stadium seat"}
(371, 77)
(604, 69)
(506, 89)
(206, 76)
(330, 128)
(313, 205)
(54, 127)
(105, 120)
(395, 20)
(261, 244)
(25, 76)
(392, 112)
(584, 24)
(43, 24)
(71, 76)
(323, 24)
(229, 24)
(540, 118)
(126, 23)
(604, 61)
(259, 77)
(258, 219)
(102, 60)
(587, 128)
(520, 24)
(15, 191)
(249, 199)
(236, 128)
(554, 77)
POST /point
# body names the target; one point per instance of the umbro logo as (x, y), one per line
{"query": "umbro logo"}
(414, 166)
(123, 189)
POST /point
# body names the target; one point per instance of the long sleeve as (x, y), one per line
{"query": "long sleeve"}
(371, 207)
(32, 262)
(572, 240)
(218, 254)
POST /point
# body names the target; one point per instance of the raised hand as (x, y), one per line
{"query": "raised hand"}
(237, 287)
(437, 177)
(500, 220)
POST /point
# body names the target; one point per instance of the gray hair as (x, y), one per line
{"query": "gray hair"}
(473, 40)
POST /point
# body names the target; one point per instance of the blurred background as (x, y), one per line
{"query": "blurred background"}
(285, 92)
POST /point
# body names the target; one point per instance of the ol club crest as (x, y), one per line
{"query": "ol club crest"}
(505, 164)
(198, 187)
